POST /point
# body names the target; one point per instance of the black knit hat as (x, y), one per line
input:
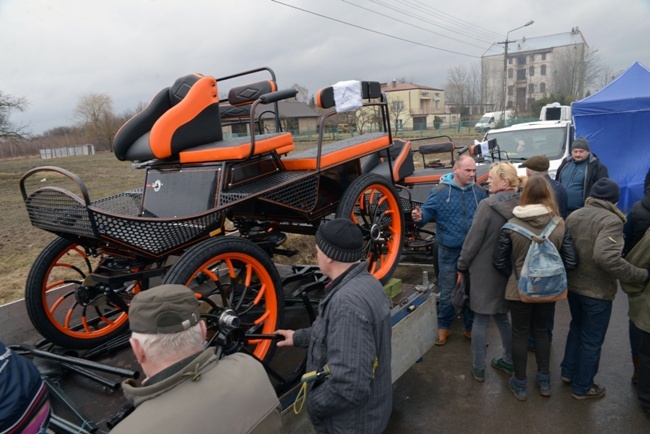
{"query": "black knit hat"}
(606, 189)
(164, 309)
(580, 143)
(340, 240)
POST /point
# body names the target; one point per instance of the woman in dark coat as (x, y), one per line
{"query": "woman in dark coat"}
(487, 285)
(537, 208)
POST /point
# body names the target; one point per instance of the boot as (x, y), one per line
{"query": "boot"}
(635, 376)
(443, 334)
(518, 387)
(543, 382)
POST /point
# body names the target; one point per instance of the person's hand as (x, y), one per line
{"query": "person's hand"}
(416, 214)
(288, 338)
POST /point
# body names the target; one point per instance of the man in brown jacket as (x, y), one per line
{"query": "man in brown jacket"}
(187, 389)
(597, 232)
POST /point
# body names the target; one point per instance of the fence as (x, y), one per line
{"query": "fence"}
(67, 151)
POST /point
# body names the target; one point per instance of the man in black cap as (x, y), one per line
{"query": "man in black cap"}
(350, 341)
(187, 389)
(538, 166)
(597, 232)
(579, 172)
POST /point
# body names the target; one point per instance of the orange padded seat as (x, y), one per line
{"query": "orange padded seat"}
(337, 152)
(238, 148)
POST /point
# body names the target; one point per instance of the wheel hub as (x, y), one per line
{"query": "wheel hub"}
(375, 232)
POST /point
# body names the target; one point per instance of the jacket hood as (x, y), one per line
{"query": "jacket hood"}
(503, 202)
(448, 179)
(599, 203)
(536, 215)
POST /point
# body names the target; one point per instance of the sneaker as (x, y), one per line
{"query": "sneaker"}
(479, 374)
(518, 388)
(596, 391)
(501, 365)
(543, 382)
(567, 380)
(468, 334)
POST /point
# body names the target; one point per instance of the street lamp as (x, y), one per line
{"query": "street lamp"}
(505, 66)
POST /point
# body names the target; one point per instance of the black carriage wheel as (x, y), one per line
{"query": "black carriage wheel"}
(54, 308)
(235, 273)
(374, 205)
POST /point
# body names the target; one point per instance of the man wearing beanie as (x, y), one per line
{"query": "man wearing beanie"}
(597, 232)
(350, 341)
(579, 172)
(187, 389)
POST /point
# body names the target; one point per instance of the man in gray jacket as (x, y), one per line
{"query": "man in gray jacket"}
(597, 232)
(350, 341)
(187, 389)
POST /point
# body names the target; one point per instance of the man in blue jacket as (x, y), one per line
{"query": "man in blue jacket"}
(452, 204)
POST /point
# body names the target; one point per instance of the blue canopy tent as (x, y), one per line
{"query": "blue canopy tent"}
(616, 121)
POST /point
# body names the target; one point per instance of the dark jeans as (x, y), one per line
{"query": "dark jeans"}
(527, 317)
(643, 387)
(447, 271)
(589, 322)
(635, 338)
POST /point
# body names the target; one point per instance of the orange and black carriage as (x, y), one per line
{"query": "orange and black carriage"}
(214, 210)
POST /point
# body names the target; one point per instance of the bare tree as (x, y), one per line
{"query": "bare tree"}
(397, 110)
(464, 86)
(577, 69)
(94, 112)
(9, 104)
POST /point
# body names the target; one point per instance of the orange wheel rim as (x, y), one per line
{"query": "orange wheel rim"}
(263, 296)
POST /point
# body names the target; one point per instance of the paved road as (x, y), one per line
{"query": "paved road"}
(440, 395)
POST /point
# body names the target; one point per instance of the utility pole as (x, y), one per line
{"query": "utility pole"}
(505, 67)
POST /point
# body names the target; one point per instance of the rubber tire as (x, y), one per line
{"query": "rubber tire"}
(240, 249)
(349, 205)
(39, 312)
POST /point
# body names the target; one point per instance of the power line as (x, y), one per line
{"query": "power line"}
(487, 32)
(410, 24)
(417, 16)
(374, 31)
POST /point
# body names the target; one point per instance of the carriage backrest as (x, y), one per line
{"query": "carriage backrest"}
(369, 90)
(241, 98)
(177, 118)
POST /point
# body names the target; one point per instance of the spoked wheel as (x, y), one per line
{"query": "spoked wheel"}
(374, 205)
(235, 274)
(65, 305)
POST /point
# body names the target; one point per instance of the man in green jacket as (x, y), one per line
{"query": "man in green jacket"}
(187, 389)
(597, 232)
(639, 300)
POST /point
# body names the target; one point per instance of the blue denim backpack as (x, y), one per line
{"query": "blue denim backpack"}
(543, 277)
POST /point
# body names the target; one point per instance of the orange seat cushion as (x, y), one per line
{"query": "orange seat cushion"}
(337, 152)
(238, 148)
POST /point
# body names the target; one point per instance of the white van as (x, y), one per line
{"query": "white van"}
(555, 112)
(491, 120)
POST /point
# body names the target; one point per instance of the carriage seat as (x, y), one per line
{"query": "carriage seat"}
(178, 117)
(401, 161)
(241, 98)
(431, 172)
(343, 150)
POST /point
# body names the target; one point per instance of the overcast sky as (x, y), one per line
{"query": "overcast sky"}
(54, 52)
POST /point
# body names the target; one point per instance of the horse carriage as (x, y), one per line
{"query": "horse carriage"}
(214, 210)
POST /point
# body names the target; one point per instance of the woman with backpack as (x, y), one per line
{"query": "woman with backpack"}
(537, 211)
(487, 285)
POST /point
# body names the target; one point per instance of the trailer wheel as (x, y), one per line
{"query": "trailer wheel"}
(235, 273)
(64, 305)
(374, 205)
